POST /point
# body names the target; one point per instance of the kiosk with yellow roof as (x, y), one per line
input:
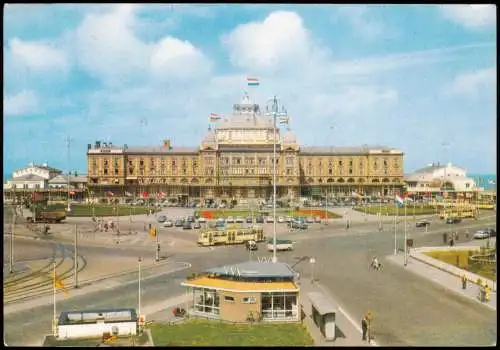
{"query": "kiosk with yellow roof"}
(246, 292)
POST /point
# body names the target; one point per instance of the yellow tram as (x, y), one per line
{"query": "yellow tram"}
(211, 237)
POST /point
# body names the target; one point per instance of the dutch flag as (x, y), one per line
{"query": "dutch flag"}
(253, 82)
(214, 117)
(400, 201)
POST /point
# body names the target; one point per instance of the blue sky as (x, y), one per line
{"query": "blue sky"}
(418, 78)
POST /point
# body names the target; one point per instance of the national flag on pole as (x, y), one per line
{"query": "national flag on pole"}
(58, 283)
(400, 201)
(253, 82)
(214, 117)
(284, 119)
(110, 194)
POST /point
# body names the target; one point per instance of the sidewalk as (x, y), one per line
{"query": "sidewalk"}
(347, 333)
(443, 278)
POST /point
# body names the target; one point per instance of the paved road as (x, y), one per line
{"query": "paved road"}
(28, 326)
(408, 309)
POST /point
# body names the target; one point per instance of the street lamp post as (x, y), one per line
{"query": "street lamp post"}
(68, 144)
(139, 291)
(274, 113)
(312, 261)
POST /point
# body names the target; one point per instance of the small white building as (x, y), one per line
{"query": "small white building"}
(436, 178)
(32, 177)
(75, 181)
(94, 323)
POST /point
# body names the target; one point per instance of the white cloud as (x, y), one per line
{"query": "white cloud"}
(363, 26)
(175, 58)
(37, 56)
(279, 39)
(471, 83)
(22, 103)
(107, 47)
(471, 16)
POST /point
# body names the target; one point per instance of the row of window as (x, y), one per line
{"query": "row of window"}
(245, 300)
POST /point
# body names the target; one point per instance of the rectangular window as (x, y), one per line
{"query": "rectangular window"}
(116, 171)
(249, 300)
(228, 298)
(105, 171)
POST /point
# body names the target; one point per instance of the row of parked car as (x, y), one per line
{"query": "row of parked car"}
(485, 233)
(427, 223)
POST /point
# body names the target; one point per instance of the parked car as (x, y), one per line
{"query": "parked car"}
(281, 244)
(423, 223)
(249, 220)
(162, 218)
(190, 219)
(281, 219)
(179, 223)
(239, 219)
(269, 219)
(289, 219)
(492, 231)
(453, 220)
(310, 220)
(251, 245)
(230, 220)
(202, 219)
(317, 219)
(187, 226)
(196, 225)
(259, 220)
(481, 234)
(168, 223)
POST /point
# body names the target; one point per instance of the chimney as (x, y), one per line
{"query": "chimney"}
(98, 144)
(89, 146)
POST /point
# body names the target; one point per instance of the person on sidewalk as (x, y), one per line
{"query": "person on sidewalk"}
(445, 238)
(364, 327)
(464, 282)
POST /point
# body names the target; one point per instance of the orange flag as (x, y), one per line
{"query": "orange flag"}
(59, 284)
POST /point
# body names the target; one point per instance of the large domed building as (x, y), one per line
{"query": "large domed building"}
(234, 162)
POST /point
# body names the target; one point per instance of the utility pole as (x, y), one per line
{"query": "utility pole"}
(11, 264)
(68, 145)
(139, 292)
(157, 259)
(76, 256)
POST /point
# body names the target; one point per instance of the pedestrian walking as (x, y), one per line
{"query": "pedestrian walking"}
(364, 327)
(452, 242)
(464, 282)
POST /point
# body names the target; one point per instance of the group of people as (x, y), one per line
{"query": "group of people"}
(376, 265)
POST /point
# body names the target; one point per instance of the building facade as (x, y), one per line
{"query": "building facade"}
(441, 179)
(235, 160)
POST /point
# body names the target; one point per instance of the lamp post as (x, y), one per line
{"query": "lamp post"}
(312, 261)
(68, 144)
(139, 291)
(274, 112)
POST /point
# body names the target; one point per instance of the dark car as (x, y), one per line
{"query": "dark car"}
(453, 220)
(190, 219)
(259, 220)
(249, 220)
(196, 225)
(423, 223)
(187, 226)
(492, 231)
(162, 218)
(251, 245)
(179, 223)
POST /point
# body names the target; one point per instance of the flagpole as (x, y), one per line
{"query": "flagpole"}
(54, 285)
(405, 242)
(395, 228)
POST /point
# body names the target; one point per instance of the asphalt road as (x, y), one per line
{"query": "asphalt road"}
(408, 309)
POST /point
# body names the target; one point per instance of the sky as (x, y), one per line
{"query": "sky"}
(418, 78)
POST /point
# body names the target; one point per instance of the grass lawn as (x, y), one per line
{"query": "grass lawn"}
(215, 333)
(80, 210)
(460, 258)
(217, 213)
(391, 210)
(50, 341)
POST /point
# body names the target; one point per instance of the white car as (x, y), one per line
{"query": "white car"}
(310, 220)
(481, 234)
(289, 219)
(281, 219)
(230, 220)
(202, 219)
(269, 219)
(168, 223)
(239, 219)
